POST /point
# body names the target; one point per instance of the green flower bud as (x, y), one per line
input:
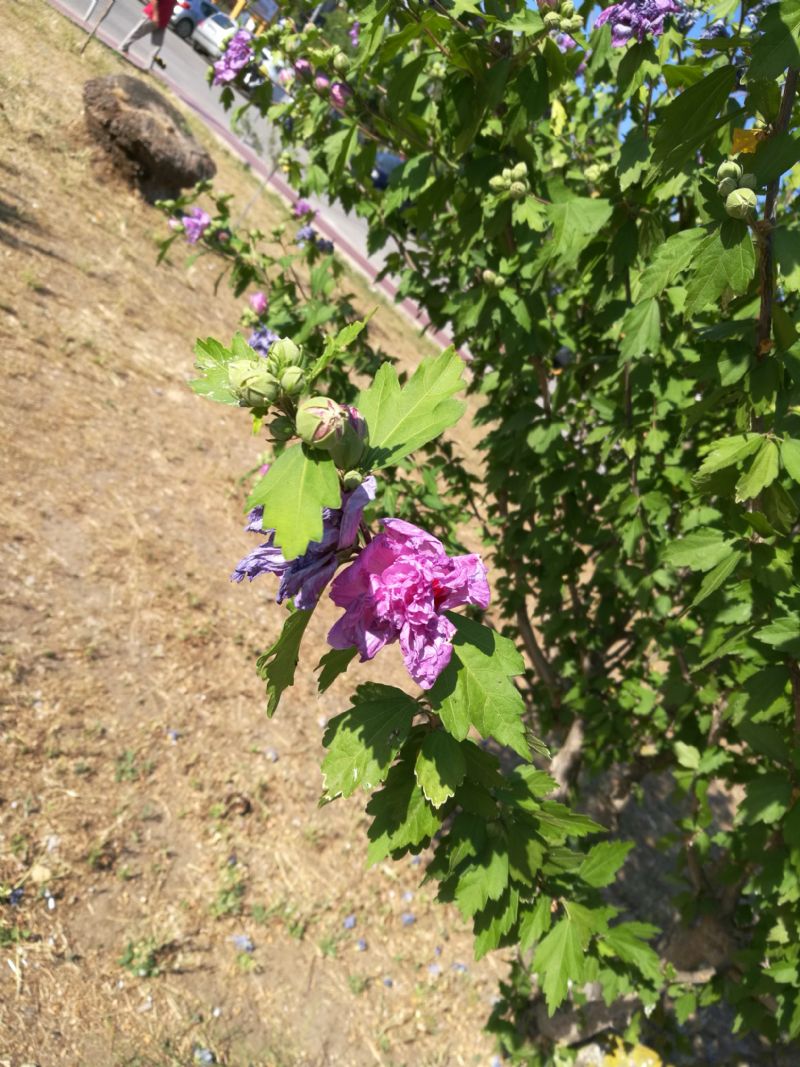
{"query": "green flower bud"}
(351, 480)
(507, 173)
(499, 281)
(284, 353)
(573, 25)
(567, 9)
(741, 203)
(497, 183)
(729, 169)
(282, 428)
(252, 383)
(726, 187)
(341, 63)
(349, 441)
(293, 381)
(518, 190)
(318, 420)
(520, 172)
(552, 21)
(748, 181)
(489, 277)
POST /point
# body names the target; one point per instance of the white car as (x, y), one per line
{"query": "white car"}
(211, 34)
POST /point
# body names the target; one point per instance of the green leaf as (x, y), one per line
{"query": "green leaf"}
(641, 330)
(483, 879)
(340, 342)
(535, 922)
(776, 46)
(701, 549)
(627, 942)
(670, 259)
(716, 578)
(557, 822)
(332, 664)
(298, 485)
(365, 740)
(725, 261)
(440, 768)
(475, 689)
(495, 921)
(685, 122)
(278, 663)
(790, 458)
(782, 633)
(402, 420)
(575, 222)
(402, 817)
(765, 739)
(763, 470)
(687, 755)
(633, 157)
(767, 797)
(559, 960)
(213, 358)
(728, 451)
(603, 861)
(774, 155)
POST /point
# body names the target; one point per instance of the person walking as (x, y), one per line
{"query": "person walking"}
(154, 21)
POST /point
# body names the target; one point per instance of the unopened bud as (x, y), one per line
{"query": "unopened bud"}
(572, 25)
(567, 9)
(729, 169)
(293, 381)
(349, 443)
(489, 277)
(748, 181)
(552, 21)
(286, 352)
(282, 428)
(318, 419)
(520, 172)
(352, 480)
(341, 63)
(741, 203)
(499, 281)
(507, 173)
(518, 190)
(497, 183)
(252, 383)
(726, 187)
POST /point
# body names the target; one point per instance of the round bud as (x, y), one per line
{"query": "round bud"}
(341, 63)
(567, 9)
(489, 277)
(293, 381)
(252, 384)
(351, 480)
(518, 190)
(284, 353)
(729, 169)
(741, 203)
(282, 428)
(726, 187)
(572, 25)
(507, 173)
(499, 281)
(349, 442)
(497, 183)
(318, 420)
(520, 172)
(748, 181)
(552, 21)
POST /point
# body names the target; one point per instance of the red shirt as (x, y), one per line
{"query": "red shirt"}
(159, 11)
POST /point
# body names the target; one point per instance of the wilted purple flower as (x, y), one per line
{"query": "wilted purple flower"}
(173, 735)
(388, 983)
(232, 860)
(305, 577)
(236, 56)
(324, 245)
(398, 590)
(259, 302)
(195, 224)
(15, 896)
(349, 922)
(305, 233)
(637, 19)
(352, 33)
(340, 94)
(303, 208)
(361, 945)
(565, 42)
(243, 943)
(322, 82)
(262, 339)
(408, 918)
(303, 68)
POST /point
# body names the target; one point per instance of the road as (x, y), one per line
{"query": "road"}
(255, 140)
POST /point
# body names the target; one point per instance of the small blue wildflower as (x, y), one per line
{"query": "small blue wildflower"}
(233, 859)
(437, 951)
(349, 922)
(262, 340)
(15, 896)
(388, 983)
(305, 233)
(408, 895)
(204, 1055)
(408, 918)
(434, 970)
(496, 1062)
(271, 755)
(173, 735)
(361, 945)
(416, 860)
(459, 968)
(243, 943)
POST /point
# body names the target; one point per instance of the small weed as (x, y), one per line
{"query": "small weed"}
(19, 846)
(228, 900)
(328, 947)
(296, 927)
(12, 935)
(101, 857)
(83, 770)
(125, 874)
(128, 770)
(356, 983)
(140, 958)
(245, 962)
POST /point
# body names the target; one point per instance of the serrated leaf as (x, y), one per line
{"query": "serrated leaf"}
(332, 664)
(726, 261)
(783, 633)
(278, 663)
(495, 921)
(767, 798)
(728, 451)
(364, 741)
(776, 46)
(475, 689)
(401, 420)
(576, 221)
(687, 755)
(557, 822)
(762, 471)
(535, 922)
(440, 768)
(685, 121)
(627, 942)
(602, 862)
(790, 458)
(483, 879)
(402, 817)
(559, 960)
(633, 157)
(334, 346)
(701, 549)
(717, 577)
(670, 259)
(765, 739)
(213, 358)
(295, 489)
(775, 155)
(641, 330)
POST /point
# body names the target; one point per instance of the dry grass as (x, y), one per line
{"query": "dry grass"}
(142, 802)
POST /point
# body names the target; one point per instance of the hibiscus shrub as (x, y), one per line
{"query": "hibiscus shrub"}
(600, 205)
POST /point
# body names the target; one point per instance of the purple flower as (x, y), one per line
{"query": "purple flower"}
(340, 94)
(325, 246)
(636, 19)
(361, 945)
(15, 896)
(305, 233)
(398, 590)
(305, 577)
(408, 918)
(388, 983)
(259, 302)
(349, 922)
(195, 224)
(565, 42)
(262, 339)
(303, 208)
(243, 943)
(237, 56)
(352, 33)
(322, 82)
(303, 68)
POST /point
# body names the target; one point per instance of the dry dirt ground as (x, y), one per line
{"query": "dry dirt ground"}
(150, 814)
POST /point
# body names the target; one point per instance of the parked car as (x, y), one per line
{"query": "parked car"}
(211, 34)
(187, 15)
(385, 163)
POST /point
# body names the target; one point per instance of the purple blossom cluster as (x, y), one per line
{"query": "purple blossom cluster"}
(195, 224)
(340, 94)
(307, 234)
(259, 302)
(236, 57)
(262, 340)
(637, 19)
(398, 589)
(305, 577)
(353, 33)
(302, 208)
